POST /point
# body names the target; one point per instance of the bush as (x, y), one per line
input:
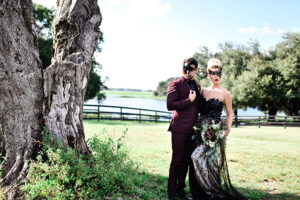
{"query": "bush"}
(161, 89)
(60, 173)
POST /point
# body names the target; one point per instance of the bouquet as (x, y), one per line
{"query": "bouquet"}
(211, 134)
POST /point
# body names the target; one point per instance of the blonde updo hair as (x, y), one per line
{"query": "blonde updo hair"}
(214, 63)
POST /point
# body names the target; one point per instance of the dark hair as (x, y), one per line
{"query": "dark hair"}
(190, 61)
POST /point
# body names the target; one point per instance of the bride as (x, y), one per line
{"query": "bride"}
(209, 177)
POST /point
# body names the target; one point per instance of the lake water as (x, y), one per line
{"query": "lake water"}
(155, 104)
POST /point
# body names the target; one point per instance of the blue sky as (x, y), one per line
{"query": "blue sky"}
(146, 41)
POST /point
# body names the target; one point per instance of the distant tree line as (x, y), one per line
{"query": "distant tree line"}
(267, 80)
(161, 89)
(44, 18)
(129, 90)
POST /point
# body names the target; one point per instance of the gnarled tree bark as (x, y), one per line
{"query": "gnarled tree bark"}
(75, 32)
(21, 92)
(31, 98)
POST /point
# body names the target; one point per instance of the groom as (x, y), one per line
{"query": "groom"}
(182, 96)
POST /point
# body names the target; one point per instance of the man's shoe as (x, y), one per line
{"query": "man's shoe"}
(172, 197)
(182, 195)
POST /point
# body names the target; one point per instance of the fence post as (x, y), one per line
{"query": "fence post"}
(121, 113)
(285, 121)
(259, 122)
(155, 117)
(98, 113)
(236, 121)
(140, 116)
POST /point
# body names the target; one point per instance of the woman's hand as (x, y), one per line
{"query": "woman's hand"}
(227, 132)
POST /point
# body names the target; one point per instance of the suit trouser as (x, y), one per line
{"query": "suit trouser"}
(181, 157)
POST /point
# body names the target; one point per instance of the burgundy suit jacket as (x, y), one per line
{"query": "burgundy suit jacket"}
(185, 112)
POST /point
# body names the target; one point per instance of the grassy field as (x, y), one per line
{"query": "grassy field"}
(263, 163)
(132, 94)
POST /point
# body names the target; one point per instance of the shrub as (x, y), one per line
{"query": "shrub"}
(60, 173)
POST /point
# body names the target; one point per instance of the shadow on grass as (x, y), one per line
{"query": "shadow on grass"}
(263, 195)
(148, 186)
(154, 186)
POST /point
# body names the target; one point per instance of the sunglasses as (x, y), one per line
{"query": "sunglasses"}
(217, 73)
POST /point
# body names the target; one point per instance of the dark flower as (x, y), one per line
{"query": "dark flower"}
(213, 138)
(207, 135)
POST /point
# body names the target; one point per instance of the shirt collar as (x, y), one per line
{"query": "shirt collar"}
(188, 80)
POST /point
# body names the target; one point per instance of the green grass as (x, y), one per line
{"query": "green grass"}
(132, 94)
(263, 162)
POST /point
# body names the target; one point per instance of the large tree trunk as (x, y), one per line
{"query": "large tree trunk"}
(21, 93)
(272, 112)
(27, 101)
(75, 33)
(236, 117)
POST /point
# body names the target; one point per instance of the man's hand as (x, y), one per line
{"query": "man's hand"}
(192, 95)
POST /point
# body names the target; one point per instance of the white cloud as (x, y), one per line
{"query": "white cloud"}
(136, 8)
(265, 30)
(250, 29)
(279, 31)
(47, 3)
(141, 57)
(296, 29)
(132, 9)
(137, 53)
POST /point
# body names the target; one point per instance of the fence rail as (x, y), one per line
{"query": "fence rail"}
(106, 112)
(267, 120)
(124, 113)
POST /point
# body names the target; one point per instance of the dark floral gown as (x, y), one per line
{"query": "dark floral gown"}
(211, 177)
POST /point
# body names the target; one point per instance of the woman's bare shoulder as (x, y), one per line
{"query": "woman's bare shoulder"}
(225, 92)
(204, 90)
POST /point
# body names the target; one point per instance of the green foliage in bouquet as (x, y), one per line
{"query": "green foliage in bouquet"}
(211, 134)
